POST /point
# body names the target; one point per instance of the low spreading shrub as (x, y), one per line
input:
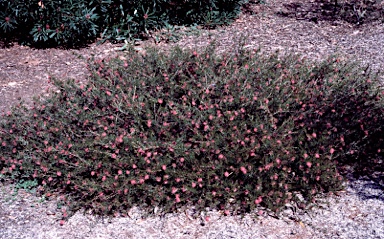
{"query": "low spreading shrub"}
(231, 132)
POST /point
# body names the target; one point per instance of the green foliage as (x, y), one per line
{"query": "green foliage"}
(50, 23)
(232, 132)
(74, 22)
(126, 20)
(27, 185)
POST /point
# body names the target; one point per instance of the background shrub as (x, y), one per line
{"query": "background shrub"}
(75, 22)
(231, 132)
(136, 19)
(50, 23)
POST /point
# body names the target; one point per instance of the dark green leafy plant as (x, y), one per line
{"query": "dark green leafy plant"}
(50, 23)
(126, 20)
(75, 22)
(232, 132)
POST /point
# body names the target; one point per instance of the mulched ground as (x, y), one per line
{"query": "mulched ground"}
(274, 26)
(24, 71)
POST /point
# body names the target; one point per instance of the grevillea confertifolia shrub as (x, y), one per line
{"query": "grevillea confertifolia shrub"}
(231, 132)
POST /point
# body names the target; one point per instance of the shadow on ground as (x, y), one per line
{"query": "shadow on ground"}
(357, 12)
(369, 186)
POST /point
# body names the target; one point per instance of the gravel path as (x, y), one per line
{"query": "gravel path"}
(357, 213)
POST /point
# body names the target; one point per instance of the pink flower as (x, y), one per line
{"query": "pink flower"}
(226, 174)
(221, 156)
(242, 169)
(119, 172)
(103, 178)
(305, 155)
(149, 123)
(133, 182)
(258, 200)
(317, 156)
(164, 167)
(309, 164)
(181, 159)
(177, 199)
(58, 173)
(193, 184)
(160, 101)
(174, 190)
(199, 180)
(268, 166)
(332, 151)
